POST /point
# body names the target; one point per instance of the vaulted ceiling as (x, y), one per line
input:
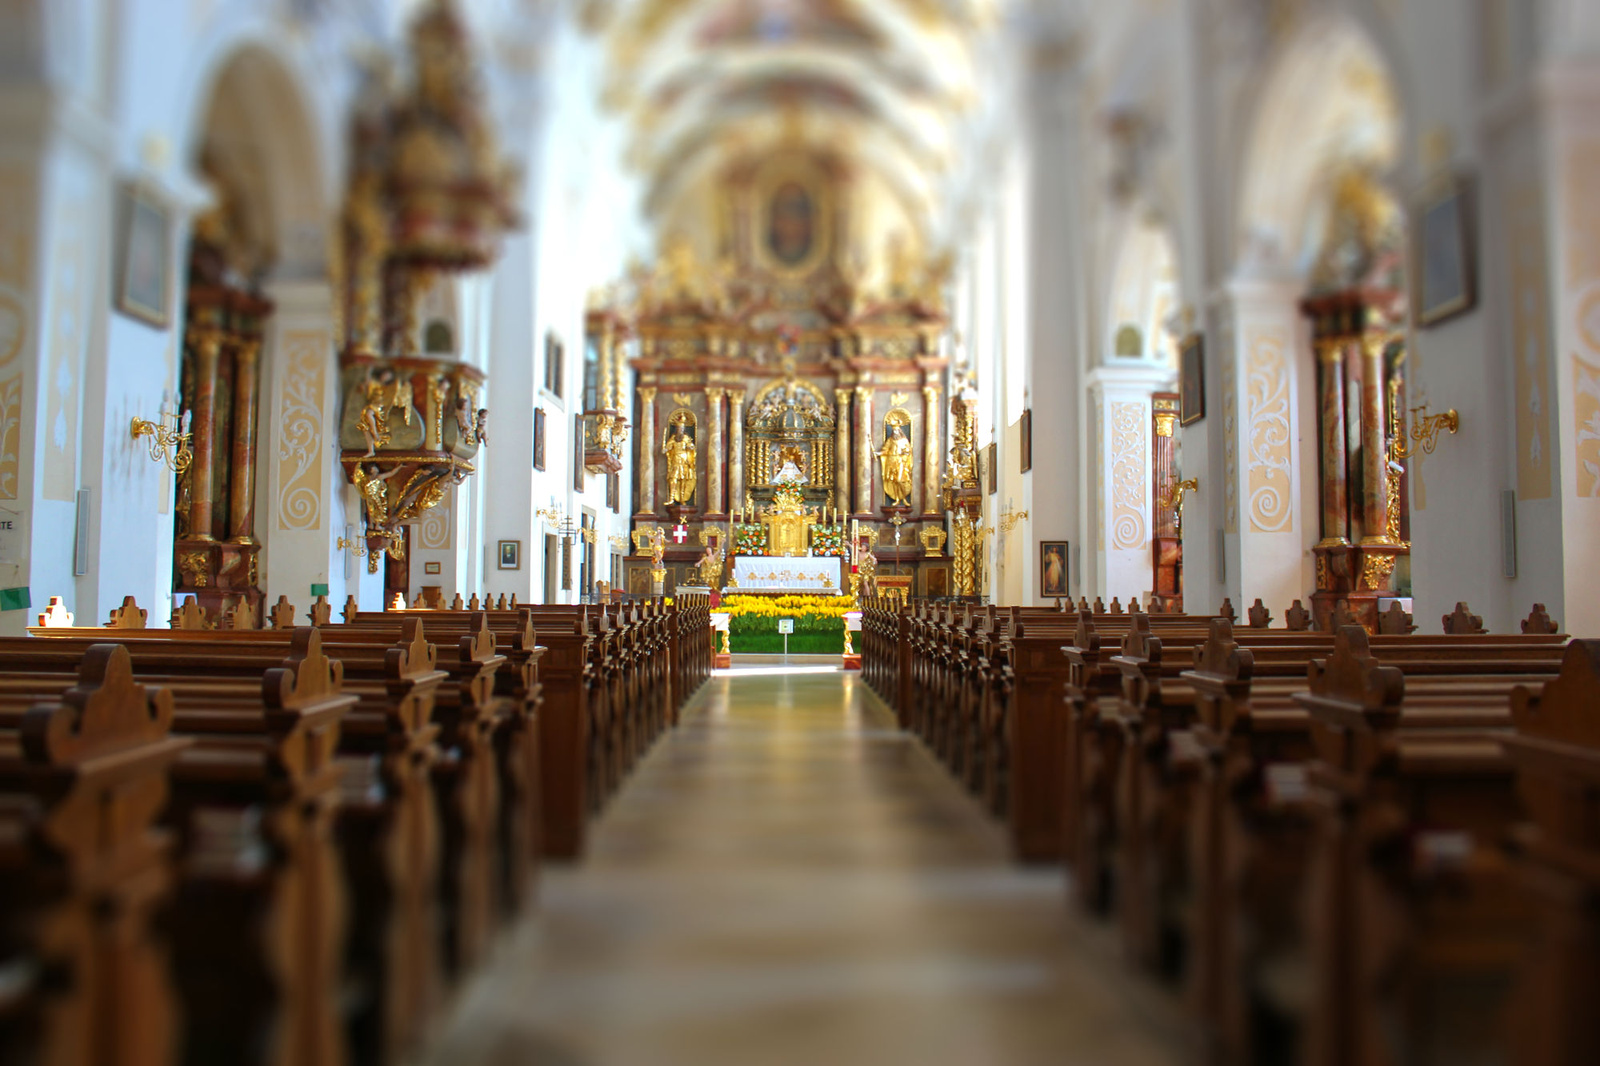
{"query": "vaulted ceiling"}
(894, 85)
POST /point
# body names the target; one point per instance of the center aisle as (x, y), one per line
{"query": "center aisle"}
(788, 879)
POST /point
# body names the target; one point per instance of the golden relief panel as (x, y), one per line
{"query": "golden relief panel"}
(1129, 464)
(1230, 440)
(1529, 306)
(306, 356)
(434, 532)
(69, 303)
(1268, 462)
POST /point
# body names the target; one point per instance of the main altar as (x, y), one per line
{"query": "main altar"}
(793, 385)
(820, 575)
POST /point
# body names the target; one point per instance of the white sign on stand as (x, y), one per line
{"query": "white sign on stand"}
(786, 626)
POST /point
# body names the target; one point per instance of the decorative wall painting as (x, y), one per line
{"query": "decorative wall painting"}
(1053, 570)
(1025, 432)
(1191, 379)
(142, 277)
(538, 438)
(1444, 269)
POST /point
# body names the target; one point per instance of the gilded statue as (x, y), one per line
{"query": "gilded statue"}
(383, 393)
(895, 456)
(679, 448)
(370, 481)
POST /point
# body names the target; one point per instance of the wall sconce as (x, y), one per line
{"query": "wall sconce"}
(170, 439)
(619, 543)
(1009, 520)
(1425, 428)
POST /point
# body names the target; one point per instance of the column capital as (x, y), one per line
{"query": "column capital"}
(930, 392)
(864, 392)
(842, 396)
(647, 393)
(713, 394)
(1329, 349)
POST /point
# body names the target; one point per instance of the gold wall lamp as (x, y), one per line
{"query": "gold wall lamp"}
(1425, 429)
(170, 439)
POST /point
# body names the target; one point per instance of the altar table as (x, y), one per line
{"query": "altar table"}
(806, 573)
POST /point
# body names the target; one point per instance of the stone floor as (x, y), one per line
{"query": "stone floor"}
(788, 879)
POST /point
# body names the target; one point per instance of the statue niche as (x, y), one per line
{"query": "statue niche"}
(679, 447)
(895, 457)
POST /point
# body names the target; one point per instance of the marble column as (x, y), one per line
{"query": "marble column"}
(932, 438)
(714, 451)
(841, 449)
(647, 450)
(242, 490)
(735, 449)
(1374, 433)
(206, 345)
(863, 463)
(1330, 365)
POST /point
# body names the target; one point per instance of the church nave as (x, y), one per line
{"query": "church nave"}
(790, 878)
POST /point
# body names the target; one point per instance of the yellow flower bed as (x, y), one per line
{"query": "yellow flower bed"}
(785, 606)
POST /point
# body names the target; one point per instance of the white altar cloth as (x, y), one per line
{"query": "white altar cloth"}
(811, 573)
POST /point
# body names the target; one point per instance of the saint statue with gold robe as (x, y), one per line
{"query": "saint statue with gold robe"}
(679, 448)
(895, 455)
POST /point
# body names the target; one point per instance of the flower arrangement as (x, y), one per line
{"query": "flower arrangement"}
(827, 540)
(749, 539)
(818, 621)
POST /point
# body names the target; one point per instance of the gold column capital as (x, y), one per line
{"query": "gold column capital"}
(647, 393)
(1165, 420)
(1373, 342)
(1329, 349)
(930, 393)
(842, 396)
(864, 392)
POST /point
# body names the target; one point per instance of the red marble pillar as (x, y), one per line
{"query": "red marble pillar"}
(206, 345)
(1374, 434)
(242, 489)
(1335, 486)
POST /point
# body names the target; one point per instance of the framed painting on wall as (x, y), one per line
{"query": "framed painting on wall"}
(1191, 379)
(1025, 448)
(510, 555)
(1444, 270)
(577, 453)
(991, 475)
(430, 568)
(538, 438)
(144, 267)
(1054, 572)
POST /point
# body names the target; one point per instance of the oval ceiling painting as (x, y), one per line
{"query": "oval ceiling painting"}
(791, 223)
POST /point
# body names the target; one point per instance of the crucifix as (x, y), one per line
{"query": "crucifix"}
(681, 533)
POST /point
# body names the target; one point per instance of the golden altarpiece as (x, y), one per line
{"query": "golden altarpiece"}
(776, 384)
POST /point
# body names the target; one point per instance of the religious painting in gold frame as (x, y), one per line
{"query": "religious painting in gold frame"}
(1444, 268)
(144, 276)
(792, 216)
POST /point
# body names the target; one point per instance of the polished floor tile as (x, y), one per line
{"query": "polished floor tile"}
(788, 879)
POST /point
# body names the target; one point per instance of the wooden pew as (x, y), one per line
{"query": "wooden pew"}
(83, 868)
(1556, 752)
(387, 827)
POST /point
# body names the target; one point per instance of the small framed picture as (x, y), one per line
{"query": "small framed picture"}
(143, 287)
(1444, 266)
(1025, 447)
(991, 475)
(1191, 379)
(510, 555)
(1053, 570)
(538, 438)
(430, 568)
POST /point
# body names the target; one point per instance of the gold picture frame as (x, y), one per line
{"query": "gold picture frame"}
(144, 260)
(508, 555)
(1444, 265)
